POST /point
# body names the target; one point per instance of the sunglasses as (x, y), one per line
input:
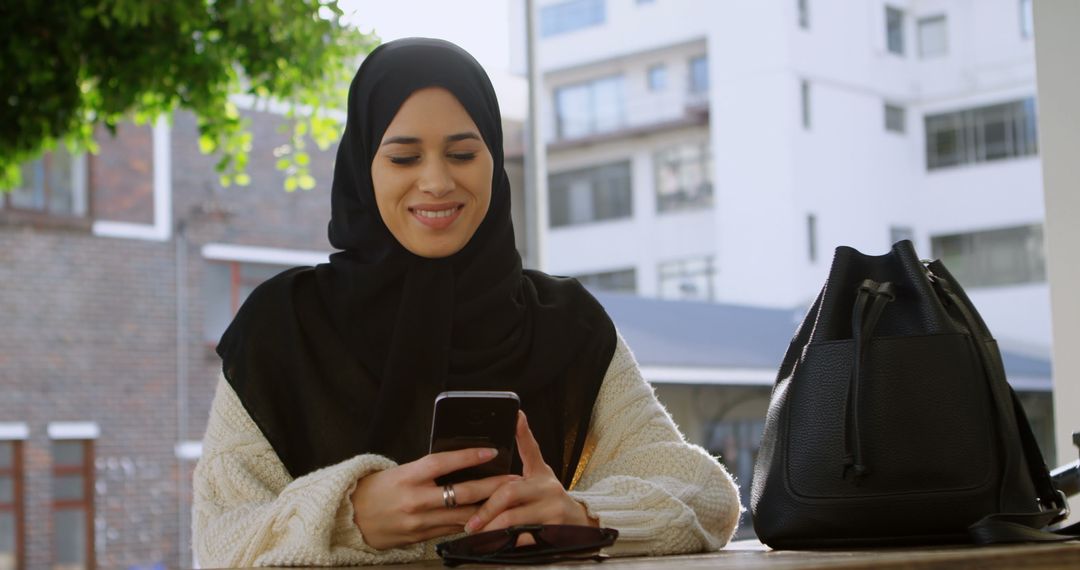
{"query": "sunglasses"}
(554, 543)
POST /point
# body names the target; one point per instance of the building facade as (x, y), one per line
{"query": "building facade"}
(721, 151)
(112, 267)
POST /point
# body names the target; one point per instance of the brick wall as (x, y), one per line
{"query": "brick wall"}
(89, 330)
(88, 334)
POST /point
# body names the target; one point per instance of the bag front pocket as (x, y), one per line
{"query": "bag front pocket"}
(924, 419)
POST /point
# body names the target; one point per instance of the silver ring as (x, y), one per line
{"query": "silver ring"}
(448, 497)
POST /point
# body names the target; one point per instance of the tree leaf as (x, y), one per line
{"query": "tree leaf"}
(115, 61)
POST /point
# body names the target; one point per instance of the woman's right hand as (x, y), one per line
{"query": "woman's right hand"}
(403, 505)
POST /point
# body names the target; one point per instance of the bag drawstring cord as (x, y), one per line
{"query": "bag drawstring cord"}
(863, 321)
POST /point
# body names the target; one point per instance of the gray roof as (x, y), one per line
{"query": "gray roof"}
(718, 335)
(694, 333)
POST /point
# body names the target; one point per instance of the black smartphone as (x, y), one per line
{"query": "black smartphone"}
(474, 418)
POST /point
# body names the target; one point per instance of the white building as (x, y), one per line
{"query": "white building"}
(720, 150)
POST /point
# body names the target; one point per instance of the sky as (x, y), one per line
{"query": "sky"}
(481, 27)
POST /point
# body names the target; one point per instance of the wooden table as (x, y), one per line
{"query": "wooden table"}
(752, 555)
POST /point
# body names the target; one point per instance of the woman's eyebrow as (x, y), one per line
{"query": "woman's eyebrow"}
(400, 140)
(414, 140)
(462, 136)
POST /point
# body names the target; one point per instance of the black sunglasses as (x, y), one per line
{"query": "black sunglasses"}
(554, 543)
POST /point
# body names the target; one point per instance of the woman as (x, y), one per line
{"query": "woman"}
(316, 448)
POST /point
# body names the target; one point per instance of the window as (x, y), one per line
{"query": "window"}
(12, 525)
(684, 177)
(894, 30)
(225, 287)
(804, 99)
(811, 237)
(1027, 22)
(621, 281)
(699, 74)
(657, 77)
(804, 14)
(688, 279)
(569, 16)
(1009, 256)
(589, 108)
(54, 185)
(895, 118)
(901, 233)
(982, 134)
(73, 504)
(932, 37)
(591, 194)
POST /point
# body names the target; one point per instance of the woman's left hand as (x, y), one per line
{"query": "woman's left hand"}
(537, 498)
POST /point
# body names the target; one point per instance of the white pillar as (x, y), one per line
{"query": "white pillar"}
(1057, 49)
(536, 195)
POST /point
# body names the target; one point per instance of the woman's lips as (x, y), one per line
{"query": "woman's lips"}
(437, 216)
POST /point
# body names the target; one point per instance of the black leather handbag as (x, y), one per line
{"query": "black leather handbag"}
(891, 421)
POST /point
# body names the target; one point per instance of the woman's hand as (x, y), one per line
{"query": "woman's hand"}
(403, 505)
(538, 498)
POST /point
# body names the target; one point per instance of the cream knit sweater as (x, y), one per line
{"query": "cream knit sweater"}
(664, 495)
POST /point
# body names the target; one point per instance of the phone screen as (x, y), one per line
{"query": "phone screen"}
(468, 419)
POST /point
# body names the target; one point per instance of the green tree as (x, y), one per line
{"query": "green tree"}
(69, 65)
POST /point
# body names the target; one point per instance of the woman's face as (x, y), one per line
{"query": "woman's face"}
(432, 174)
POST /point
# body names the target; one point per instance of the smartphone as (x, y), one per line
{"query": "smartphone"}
(465, 419)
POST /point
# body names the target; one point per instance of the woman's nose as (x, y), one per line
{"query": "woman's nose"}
(435, 179)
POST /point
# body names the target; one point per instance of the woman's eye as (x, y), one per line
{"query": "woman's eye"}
(463, 156)
(404, 159)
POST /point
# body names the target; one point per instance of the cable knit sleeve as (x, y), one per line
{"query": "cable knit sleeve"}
(248, 511)
(663, 495)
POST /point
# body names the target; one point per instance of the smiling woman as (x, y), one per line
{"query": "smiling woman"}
(316, 451)
(432, 175)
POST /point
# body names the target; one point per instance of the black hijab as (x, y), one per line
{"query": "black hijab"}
(347, 357)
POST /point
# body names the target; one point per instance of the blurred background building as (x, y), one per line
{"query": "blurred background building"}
(717, 152)
(720, 154)
(704, 159)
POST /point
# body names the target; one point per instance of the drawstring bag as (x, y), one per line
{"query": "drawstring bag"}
(891, 421)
